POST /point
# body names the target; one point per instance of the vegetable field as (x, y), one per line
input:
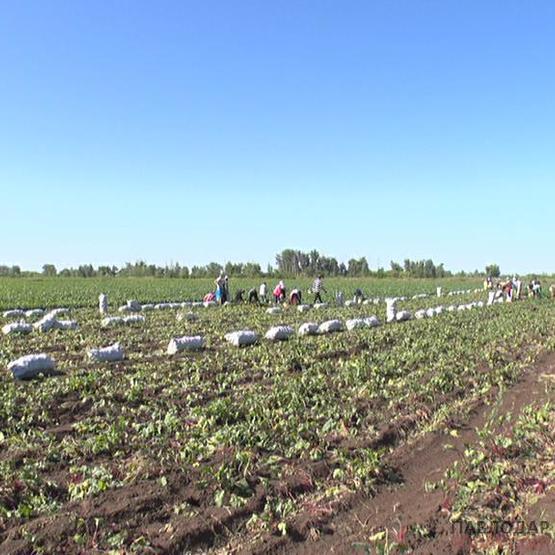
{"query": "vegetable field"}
(48, 292)
(230, 449)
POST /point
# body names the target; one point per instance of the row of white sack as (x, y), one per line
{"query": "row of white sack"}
(393, 315)
(135, 306)
(275, 333)
(33, 313)
(48, 322)
(281, 333)
(29, 366)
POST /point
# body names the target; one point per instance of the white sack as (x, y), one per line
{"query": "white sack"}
(103, 303)
(107, 354)
(243, 337)
(46, 323)
(16, 313)
(308, 328)
(279, 333)
(330, 326)
(186, 343)
(54, 313)
(111, 321)
(356, 323)
(134, 306)
(29, 366)
(372, 321)
(34, 313)
(390, 309)
(17, 327)
(403, 316)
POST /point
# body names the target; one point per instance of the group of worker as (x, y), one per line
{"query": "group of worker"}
(260, 296)
(512, 289)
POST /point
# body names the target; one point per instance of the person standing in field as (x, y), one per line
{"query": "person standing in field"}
(317, 288)
(263, 292)
(517, 287)
(227, 294)
(220, 284)
(508, 290)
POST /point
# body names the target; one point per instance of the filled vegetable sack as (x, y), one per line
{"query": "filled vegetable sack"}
(279, 333)
(403, 316)
(330, 326)
(107, 354)
(242, 337)
(15, 313)
(185, 343)
(29, 366)
(356, 323)
(17, 327)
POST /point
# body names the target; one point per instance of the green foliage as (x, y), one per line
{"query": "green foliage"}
(493, 270)
(58, 291)
(233, 421)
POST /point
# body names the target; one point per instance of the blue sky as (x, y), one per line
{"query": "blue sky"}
(198, 131)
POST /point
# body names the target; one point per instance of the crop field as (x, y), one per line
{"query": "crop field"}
(48, 292)
(256, 449)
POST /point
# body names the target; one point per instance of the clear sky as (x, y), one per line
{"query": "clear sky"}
(198, 131)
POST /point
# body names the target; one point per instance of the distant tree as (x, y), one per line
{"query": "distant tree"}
(49, 270)
(396, 269)
(213, 269)
(252, 269)
(493, 270)
(356, 268)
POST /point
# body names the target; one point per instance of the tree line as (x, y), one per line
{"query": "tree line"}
(288, 263)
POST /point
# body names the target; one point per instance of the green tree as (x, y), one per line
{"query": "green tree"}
(493, 270)
(49, 270)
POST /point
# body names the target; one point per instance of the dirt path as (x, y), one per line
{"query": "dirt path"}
(408, 504)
